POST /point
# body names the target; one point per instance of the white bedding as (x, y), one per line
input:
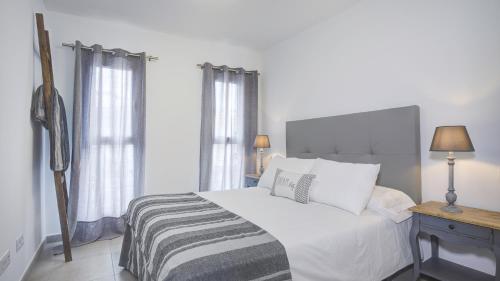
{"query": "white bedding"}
(323, 242)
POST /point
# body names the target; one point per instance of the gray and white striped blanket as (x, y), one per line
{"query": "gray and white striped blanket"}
(186, 237)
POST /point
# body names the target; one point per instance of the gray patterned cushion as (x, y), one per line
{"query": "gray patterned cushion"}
(292, 185)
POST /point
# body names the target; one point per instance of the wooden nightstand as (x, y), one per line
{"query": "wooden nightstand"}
(251, 180)
(474, 227)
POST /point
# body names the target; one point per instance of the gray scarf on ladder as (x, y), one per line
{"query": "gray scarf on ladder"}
(58, 130)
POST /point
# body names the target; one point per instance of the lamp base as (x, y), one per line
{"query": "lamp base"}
(451, 197)
(451, 209)
(261, 168)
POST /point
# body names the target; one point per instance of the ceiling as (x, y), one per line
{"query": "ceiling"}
(253, 23)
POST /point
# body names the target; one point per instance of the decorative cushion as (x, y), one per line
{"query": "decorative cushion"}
(292, 185)
(296, 165)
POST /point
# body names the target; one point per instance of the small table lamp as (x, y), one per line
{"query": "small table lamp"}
(261, 142)
(451, 139)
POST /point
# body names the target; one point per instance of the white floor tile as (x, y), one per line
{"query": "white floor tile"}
(96, 261)
(106, 278)
(124, 275)
(115, 258)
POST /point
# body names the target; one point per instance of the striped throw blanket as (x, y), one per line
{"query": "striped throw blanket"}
(186, 237)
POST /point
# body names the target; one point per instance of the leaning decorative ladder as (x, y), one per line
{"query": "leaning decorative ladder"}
(48, 86)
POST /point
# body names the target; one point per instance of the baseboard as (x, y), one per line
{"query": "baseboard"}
(37, 253)
(51, 238)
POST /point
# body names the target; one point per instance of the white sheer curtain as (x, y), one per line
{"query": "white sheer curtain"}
(109, 158)
(229, 148)
(108, 140)
(229, 125)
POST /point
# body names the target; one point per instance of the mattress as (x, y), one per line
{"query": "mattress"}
(323, 242)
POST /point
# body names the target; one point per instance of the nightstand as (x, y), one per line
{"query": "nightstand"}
(251, 180)
(474, 227)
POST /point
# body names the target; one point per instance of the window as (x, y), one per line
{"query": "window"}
(228, 148)
(228, 127)
(112, 143)
(108, 129)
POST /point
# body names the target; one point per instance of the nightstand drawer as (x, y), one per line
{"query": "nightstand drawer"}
(458, 228)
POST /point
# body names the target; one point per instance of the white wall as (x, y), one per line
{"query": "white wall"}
(441, 55)
(20, 140)
(173, 94)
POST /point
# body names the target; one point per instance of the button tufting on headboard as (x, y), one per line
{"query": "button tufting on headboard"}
(390, 137)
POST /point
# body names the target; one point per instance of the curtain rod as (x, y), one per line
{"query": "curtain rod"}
(229, 69)
(72, 46)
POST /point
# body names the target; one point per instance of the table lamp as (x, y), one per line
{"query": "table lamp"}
(261, 142)
(451, 139)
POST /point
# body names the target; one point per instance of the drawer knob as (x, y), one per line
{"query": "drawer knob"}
(451, 226)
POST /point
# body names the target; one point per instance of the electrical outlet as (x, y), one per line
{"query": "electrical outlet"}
(19, 243)
(4, 262)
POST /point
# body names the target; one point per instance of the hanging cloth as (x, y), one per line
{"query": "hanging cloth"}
(58, 131)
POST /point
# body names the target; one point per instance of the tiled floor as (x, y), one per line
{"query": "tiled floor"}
(406, 276)
(93, 262)
(96, 262)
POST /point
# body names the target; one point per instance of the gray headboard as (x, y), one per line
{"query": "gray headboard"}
(390, 137)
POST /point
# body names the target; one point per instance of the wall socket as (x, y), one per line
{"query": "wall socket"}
(19, 243)
(4, 262)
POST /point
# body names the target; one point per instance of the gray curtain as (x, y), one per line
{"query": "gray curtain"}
(228, 127)
(107, 165)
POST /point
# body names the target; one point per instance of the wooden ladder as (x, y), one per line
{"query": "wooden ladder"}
(48, 86)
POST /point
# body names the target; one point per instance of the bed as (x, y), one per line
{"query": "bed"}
(323, 242)
(303, 241)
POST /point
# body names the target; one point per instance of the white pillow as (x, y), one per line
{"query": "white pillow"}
(391, 203)
(296, 165)
(344, 185)
(292, 185)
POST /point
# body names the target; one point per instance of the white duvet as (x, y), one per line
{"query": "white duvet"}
(324, 242)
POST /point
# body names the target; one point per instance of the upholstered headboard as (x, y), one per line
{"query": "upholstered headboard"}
(390, 137)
